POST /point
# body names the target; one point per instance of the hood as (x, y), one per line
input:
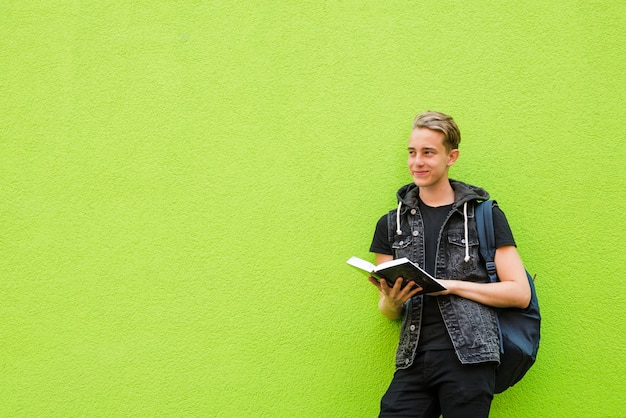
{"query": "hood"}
(463, 193)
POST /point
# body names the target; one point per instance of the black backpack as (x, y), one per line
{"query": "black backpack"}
(519, 328)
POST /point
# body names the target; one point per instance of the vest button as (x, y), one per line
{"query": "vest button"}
(415, 233)
(412, 327)
(413, 211)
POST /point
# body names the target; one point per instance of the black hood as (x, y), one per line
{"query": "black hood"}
(463, 192)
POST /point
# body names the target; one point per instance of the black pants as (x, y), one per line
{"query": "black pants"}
(437, 383)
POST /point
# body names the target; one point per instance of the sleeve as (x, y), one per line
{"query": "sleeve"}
(380, 242)
(503, 233)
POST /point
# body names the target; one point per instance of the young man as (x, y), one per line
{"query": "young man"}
(449, 346)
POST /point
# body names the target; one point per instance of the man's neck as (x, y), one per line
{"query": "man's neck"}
(437, 195)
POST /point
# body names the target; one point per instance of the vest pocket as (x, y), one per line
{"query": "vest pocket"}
(401, 247)
(457, 250)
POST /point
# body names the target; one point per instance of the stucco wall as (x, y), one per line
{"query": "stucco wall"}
(182, 182)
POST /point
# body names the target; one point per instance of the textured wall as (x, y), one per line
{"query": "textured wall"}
(182, 182)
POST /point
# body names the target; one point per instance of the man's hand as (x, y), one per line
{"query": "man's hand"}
(392, 299)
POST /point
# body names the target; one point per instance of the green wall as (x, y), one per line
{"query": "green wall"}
(181, 183)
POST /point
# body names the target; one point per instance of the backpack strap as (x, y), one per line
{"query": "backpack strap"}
(486, 236)
(487, 244)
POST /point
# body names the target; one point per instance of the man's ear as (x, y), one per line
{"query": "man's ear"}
(452, 157)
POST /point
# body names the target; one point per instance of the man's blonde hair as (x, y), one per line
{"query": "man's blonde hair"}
(440, 122)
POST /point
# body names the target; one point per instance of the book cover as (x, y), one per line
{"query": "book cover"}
(401, 267)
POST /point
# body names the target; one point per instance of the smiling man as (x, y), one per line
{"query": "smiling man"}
(449, 345)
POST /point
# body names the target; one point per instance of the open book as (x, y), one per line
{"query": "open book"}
(402, 267)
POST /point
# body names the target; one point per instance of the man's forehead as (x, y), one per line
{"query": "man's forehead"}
(425, 137)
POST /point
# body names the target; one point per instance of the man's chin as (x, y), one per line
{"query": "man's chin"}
(421, 182)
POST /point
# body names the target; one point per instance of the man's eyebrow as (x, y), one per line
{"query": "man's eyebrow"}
(427, 148)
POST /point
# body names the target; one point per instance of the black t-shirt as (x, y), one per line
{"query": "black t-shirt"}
(434, 335)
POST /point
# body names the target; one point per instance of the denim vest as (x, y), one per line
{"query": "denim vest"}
(472, 326)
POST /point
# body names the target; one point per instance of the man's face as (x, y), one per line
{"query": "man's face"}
(428, 158)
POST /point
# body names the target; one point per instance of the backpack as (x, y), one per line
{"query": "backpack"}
(518, 328)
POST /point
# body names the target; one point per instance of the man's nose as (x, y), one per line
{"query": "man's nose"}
(417, 160)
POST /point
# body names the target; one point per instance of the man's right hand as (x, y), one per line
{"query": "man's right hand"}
(392, 299)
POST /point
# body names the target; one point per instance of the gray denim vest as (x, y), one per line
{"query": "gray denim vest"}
(472, 326)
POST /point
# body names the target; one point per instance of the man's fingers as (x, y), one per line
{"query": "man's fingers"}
(399, 292)
(415, 290)
(398, 284)
(374, 282)
(411, 289)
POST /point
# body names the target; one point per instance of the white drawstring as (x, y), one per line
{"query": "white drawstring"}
(467, 256)
(398, 230)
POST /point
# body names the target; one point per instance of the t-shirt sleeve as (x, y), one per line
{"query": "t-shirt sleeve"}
(502, 230)
(380, 242)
